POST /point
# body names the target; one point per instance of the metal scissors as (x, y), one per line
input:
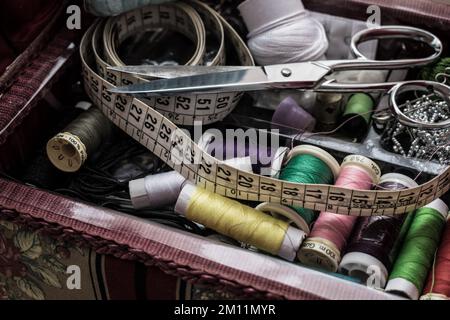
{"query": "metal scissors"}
(312, 75)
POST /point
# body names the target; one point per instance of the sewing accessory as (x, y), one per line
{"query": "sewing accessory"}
(438, 284)
(375, 240)
(162, 189)
(289, 117)
(304, 164)
(240, 222)
(329, 235)
(282, 33)
(328, 110)
(426, 133)
(69, 149)
(415, 258)
(303, 75)
(357, 114)
(156, 124)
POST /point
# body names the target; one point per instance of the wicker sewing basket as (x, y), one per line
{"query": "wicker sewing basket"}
(165, 260)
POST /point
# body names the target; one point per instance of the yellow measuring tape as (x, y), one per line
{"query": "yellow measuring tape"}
(153, 122)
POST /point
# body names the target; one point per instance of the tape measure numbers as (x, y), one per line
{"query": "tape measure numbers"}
(153, 123)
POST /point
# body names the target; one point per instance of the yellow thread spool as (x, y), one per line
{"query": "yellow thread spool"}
(239, 222)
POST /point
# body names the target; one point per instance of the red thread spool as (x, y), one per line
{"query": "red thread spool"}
(438, 284)
(328, 238)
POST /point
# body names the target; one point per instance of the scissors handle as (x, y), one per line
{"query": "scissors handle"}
(387, 32)
(333, 86)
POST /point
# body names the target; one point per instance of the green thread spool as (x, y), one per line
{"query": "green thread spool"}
(357, 114)
(308, 164)
(415, 258)
(402, 234)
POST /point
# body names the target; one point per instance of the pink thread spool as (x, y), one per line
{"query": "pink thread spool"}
(328, 238)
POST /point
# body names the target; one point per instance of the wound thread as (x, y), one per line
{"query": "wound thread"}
(438, 284)
(415, 258)
(69, 149)
(240, 222)
(308, 164)
(330, 233)
(375, 240)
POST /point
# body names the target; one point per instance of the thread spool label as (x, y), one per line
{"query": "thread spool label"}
(158, 125)
(363, 161)
(66, 152)
(316, 253)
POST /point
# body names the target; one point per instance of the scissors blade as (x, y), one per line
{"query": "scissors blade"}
(250, 79)
(305, 75)
(167, 72)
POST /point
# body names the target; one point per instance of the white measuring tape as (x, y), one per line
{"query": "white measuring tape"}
(153, 122)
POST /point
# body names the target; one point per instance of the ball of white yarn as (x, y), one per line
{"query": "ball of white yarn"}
(298, 38)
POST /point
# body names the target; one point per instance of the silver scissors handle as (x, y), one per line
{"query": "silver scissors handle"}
(363, 63)
(387, 32)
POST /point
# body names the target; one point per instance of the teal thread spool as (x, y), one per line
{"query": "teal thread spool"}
(357, 115)
(307, 164)
(416, 255)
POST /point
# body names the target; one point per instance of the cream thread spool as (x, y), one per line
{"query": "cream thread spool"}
(69, 150)
(291, 241)
(328, 109)
(322, 252)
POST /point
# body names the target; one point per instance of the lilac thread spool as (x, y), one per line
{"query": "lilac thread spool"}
(289, 116)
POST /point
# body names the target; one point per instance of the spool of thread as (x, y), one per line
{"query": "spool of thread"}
(357, 115)
(239, 221)
(304, 164)
(416, 255)
(375, 240)
(160, 190)
(328, 238)
(69, 149)
(282, 33)
(328, 109)
(105, 8)
(438, 284)
(262, 157)
(290, 118)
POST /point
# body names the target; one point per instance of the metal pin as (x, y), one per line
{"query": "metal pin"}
(286, 72)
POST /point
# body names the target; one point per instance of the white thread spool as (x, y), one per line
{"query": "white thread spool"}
(160, 190)
(282, 33)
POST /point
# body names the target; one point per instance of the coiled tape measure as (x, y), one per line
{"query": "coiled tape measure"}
(153, 122)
